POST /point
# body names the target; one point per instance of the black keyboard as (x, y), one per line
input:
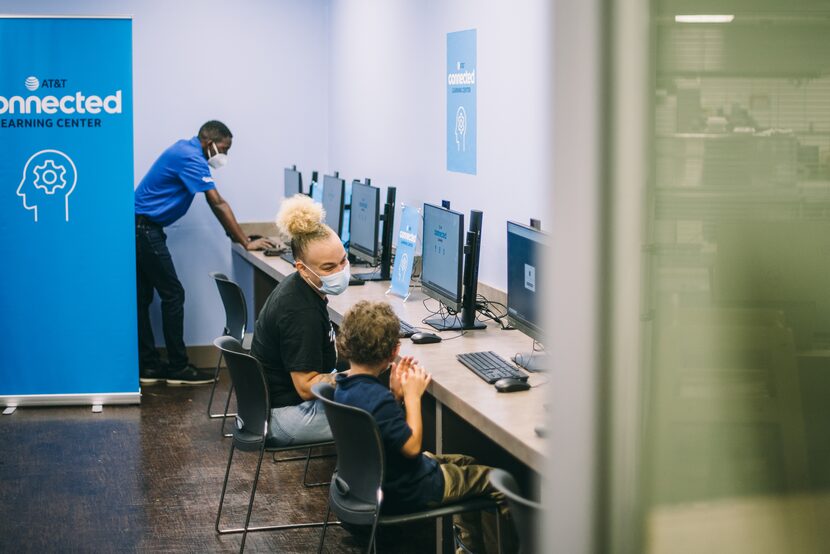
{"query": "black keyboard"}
(407, 330)
(490, 366)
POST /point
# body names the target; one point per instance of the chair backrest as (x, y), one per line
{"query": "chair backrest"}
(253, 406)
(526, 513)
(236, 310)
(355, 492)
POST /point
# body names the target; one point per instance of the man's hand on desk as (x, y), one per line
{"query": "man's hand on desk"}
(259, 243)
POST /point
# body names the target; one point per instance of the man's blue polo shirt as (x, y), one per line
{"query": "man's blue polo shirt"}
(166, 192)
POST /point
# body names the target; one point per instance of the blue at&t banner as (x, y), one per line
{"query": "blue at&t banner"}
(461, 101)
(67, 289)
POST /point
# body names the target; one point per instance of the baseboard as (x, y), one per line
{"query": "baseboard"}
(202, 356)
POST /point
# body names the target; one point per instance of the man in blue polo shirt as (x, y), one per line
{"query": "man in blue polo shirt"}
(162, 197)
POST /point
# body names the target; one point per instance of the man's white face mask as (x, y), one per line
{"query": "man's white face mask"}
(218, 159)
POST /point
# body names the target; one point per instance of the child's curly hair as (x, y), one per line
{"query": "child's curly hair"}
(369, 333)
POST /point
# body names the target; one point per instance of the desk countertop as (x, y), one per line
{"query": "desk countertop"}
(506, 418)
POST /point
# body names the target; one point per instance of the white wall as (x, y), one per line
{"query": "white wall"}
(356, 86)
(261, 66)
(388, 107)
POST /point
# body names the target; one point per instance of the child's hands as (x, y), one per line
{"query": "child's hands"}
(403, 365)
(414, 382)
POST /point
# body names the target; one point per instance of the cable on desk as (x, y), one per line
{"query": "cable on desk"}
(443, 312)
(487, 308)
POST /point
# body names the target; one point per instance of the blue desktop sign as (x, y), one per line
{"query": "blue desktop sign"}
(405, 251)
(461, 101)
(67, 290)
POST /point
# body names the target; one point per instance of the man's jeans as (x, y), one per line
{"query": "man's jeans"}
(155, 271)
(303, 423)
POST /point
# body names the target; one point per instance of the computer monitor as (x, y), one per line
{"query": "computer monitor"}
(442, 260)
(334, 191)
(525, 277)
(315, 191)
(293, 181)
(365, 215)
(345, 225)
(526, 247)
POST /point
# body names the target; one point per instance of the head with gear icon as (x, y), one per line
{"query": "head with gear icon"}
(461, 128)
(49, 176)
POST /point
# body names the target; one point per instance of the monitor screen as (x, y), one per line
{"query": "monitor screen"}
(345, 225)
(333, 191)
(364, 221)
(442, 254)
(525, 277)
(316, 192)
(293, 182)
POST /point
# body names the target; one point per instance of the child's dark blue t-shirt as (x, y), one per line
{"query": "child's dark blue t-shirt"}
(409, 484)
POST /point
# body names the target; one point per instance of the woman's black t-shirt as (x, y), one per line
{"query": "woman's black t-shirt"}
(293, 333)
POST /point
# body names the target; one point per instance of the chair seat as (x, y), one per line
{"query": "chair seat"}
(271, 445)
(361, 512)
(248, 442)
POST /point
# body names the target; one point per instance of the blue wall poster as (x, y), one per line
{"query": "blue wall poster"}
(461, 102)
(405, 251)
(67, 291)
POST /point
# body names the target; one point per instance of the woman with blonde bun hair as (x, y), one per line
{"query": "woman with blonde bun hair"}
(294, 337)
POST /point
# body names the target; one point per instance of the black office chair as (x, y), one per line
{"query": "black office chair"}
(250, 432)
(236, 322)
(355, 494)
(525, 513)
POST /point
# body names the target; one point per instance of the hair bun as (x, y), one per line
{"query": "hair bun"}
(300, 215)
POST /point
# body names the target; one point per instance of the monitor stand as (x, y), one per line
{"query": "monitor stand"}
(453, 323)
(372, 276)
(533, 361)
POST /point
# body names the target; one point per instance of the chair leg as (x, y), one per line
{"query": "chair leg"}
(224, 488)
(498, 529)
(372, 546)
(210, 413)
(325, 526)
(213, 388)
(251, 502)
(246, 529)
(307, 458)
(226, 415)
(306, 484)
(296, 458)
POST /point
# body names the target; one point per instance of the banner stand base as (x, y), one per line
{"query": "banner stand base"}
(92, 399)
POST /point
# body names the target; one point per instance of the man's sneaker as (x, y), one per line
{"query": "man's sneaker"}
(152, 376)
(189, 375)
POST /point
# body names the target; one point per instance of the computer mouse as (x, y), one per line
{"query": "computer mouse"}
(511, 384)
(425, 338)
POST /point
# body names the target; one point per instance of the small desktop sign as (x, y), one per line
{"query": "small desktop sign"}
(405, 251)
(461, 85)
